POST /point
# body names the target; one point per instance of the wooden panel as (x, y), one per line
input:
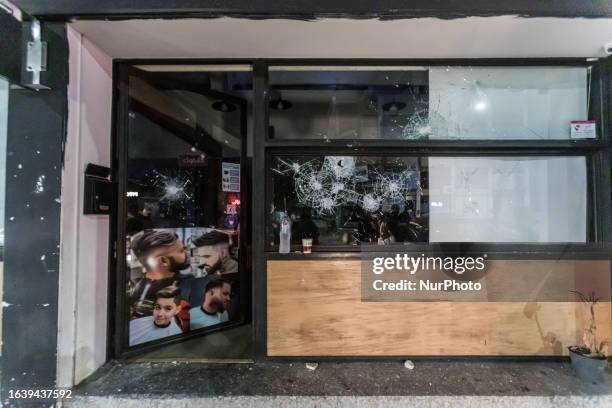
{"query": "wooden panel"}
(315, 309)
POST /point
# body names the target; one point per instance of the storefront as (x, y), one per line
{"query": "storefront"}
(453, 158)
(362, 198)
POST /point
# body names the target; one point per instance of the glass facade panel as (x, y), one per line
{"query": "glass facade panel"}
(506, 103)
(4, 99)
(507, 199)
(350, 200)
(421, 103)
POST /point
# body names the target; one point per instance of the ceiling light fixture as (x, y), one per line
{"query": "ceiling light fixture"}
(223, 106)
(393, 107)
(277, 102)
(280, 104)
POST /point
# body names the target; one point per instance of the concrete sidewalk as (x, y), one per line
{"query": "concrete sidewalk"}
(452, 383)
(349, 402)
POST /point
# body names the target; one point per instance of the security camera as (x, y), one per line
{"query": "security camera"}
(608, 48)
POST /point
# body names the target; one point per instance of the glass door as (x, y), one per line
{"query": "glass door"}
(182, 213)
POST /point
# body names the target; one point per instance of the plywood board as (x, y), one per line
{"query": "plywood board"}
(314, 308)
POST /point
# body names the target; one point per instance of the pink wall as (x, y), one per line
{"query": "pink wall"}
(85, 241)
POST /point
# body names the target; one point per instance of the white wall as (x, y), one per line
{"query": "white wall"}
(472, 37)
(85, 241)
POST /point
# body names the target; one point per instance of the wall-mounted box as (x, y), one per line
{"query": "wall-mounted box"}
(98, 191)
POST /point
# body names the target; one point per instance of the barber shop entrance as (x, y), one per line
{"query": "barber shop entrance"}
(398, 155)
(184, 276)
(211, 183)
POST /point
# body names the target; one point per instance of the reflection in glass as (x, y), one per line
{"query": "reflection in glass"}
(4, 99)
(416, 103)
(347, 104)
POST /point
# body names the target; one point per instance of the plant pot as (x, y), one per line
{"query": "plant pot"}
(587, 368)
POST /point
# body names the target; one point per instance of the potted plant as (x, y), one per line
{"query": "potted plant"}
(589, 360)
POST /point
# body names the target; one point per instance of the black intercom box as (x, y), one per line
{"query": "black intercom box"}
(98, 190)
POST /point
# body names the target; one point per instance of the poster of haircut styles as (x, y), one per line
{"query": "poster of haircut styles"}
(180, 280)
(184, 151)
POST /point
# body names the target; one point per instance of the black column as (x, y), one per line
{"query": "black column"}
(36, 135)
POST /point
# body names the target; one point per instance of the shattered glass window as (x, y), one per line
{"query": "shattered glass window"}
(506, 103)
(350, 200)
(426, 103)
(180, 143)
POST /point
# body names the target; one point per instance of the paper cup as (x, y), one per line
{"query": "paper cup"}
(306, 245)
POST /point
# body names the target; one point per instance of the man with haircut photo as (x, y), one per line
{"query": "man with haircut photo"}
(163, 323)
(163, 256)
(212, 248)
(214, 308)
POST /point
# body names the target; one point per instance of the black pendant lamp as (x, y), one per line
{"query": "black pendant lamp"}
(223, 106)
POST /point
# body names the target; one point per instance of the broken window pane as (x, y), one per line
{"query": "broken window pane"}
(507, 199)
(353, 200)
(422, 103)
(506, 103)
